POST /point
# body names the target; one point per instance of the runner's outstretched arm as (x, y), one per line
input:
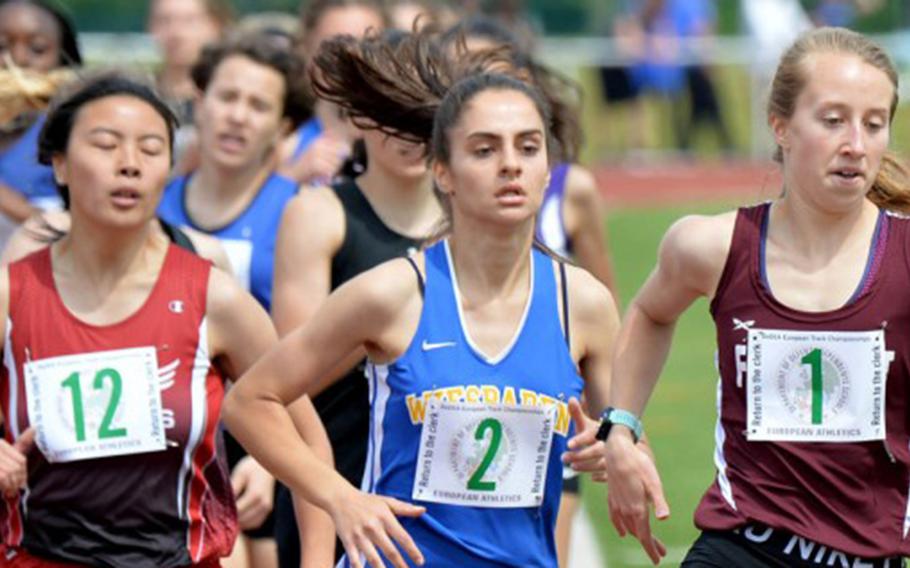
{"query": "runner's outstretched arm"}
(366, 311)
(690, 264)
(241, 333)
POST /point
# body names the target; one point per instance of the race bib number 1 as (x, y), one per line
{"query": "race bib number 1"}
(816, 386)
(484, 456)
(93, 405)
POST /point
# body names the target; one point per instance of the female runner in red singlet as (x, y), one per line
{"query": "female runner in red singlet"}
(118, 348)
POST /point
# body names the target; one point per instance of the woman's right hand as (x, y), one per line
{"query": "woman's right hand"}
(365, 522)
(633, 487)
(319, 163)
(14, 463)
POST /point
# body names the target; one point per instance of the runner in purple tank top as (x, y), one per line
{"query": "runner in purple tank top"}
(808, 294)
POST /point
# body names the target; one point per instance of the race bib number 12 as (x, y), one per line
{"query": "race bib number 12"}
(93, 405)
(484, 456)
(816, 386)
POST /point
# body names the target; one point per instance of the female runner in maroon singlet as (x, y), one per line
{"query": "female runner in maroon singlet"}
(118, 348)
(808, 294)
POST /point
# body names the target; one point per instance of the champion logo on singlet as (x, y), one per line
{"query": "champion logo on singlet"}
(175, 306)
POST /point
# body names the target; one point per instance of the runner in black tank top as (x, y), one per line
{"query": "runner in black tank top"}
(344, 407)
(328, 236)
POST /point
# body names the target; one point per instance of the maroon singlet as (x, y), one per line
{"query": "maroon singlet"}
(848, 496)
(172, 507)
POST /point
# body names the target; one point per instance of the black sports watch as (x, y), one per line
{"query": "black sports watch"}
(611, 416)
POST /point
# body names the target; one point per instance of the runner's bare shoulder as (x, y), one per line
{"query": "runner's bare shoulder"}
(37, 232)
(209, 248)
(694, 250)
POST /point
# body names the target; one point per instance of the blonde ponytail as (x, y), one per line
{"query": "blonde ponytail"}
(891, 188)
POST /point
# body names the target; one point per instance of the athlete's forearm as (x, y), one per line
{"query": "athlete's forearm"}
(265, 429)
(14, 205)
(315, 527)
(641, 352)
(317, 534)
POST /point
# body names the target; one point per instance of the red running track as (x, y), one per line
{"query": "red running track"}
(681, 182)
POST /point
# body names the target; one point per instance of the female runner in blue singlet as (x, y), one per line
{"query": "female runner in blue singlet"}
(472, 363)
(570, 219)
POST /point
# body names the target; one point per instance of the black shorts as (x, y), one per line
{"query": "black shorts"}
(570, 481)
(286, 535)
(758, 546)
(617, 84)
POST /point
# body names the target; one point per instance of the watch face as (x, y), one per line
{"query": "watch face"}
(604, 430)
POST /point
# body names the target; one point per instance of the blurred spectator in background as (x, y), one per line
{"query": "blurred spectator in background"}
(403, 14)
(658, 71)
(658, 33)
(840, 13)
(773, 25)
(698, 19)
(843, 13)
(514, 15)
(282, 27)
(619, 88)
(181, 28)
(316, 151)
(35, 36)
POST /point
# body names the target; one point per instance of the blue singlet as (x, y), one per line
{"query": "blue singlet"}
(20, 170)
(442, 362)
(248, 240)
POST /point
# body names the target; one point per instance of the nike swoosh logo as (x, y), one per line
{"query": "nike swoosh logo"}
(427, 346)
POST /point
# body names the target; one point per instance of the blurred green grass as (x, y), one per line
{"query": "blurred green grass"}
(681, 415)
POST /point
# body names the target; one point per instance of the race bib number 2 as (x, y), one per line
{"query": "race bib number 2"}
(816, 386)
(484, 456)
(93, 405)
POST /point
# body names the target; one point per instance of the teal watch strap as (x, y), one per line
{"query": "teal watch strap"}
(629, 420)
